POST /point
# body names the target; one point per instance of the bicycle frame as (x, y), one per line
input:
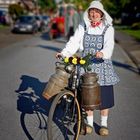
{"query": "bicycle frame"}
(67, 104)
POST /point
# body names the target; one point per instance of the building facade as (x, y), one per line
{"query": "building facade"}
(5, 3)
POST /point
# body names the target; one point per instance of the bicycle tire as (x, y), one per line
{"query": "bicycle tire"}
(55, 119)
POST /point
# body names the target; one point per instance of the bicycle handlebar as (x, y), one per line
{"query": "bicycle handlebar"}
(84, 62)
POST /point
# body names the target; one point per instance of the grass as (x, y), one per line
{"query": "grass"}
(134, 33)
(3, 26)
(129, 31)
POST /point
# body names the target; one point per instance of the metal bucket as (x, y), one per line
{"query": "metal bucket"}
(90, 92)
(56, 83)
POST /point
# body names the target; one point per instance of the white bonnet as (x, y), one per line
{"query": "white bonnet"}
(98, 5)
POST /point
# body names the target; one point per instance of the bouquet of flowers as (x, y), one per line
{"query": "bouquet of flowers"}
(82, 61)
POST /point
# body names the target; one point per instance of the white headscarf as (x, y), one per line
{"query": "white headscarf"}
(98, 5)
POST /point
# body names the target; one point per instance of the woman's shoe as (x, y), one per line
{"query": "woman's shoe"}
(86, 129)
(104, 131)
(89, 129)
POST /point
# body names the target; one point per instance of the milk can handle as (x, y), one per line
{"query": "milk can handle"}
(58, 64)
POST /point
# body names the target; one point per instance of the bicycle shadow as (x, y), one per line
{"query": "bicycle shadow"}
(34, 107)
(30, 93)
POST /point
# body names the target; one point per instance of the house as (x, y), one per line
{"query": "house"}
(4, 4)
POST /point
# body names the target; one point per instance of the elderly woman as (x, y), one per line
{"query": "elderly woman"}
(96, 36)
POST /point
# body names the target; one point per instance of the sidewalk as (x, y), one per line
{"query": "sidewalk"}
(130, 45)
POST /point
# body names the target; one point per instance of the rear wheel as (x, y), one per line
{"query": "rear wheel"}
(64, 118)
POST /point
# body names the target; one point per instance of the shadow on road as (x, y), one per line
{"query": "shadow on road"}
(96, 128)
(45, 36)
(33, 107)
(50, 48)
(126, 66)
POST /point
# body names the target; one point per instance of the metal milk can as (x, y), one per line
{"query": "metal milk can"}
(90, 91)
(57, 82)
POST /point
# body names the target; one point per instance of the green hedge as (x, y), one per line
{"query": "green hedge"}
(136, 26)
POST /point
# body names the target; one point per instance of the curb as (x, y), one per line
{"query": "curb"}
(130, 46)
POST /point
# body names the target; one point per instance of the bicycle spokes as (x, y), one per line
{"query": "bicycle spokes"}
(65, 119)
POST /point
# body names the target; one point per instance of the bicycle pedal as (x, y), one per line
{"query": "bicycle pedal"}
(67, 99)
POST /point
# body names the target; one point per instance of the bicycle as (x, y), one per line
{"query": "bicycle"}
(66, 114)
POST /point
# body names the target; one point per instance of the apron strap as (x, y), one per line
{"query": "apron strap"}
(106, 27)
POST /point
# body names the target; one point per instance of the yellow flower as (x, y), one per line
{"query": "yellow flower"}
(82, 62)
(66, 59)
(74, 61)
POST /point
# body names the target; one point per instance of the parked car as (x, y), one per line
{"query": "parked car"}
(25, 24)
(3, 17)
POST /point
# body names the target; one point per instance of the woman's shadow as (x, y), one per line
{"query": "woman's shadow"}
(33, 106)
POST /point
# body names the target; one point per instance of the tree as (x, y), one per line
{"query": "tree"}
(46, 4)
(15, 10)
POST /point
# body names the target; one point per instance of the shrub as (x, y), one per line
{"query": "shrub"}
(135, 26)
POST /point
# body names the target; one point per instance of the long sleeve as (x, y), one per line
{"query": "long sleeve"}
(75, 42)
(108, 43)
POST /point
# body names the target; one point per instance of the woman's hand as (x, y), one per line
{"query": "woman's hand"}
(58, 55)
(99, 55)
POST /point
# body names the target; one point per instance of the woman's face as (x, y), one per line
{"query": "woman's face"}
(95, 15)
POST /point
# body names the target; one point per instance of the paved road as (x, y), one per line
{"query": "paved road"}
(7, 38)
(27, 66)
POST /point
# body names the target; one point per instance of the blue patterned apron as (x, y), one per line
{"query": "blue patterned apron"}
(104, 68)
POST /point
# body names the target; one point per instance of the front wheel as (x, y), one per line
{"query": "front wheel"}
(64, 118)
